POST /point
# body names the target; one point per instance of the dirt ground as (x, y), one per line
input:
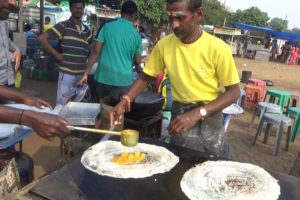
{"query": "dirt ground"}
(46, 155)
(240, 137)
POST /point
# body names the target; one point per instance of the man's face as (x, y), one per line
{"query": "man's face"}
(182, 20)
(4, 9)
(77, 10)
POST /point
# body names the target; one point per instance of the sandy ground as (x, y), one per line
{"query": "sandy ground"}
(46, 154)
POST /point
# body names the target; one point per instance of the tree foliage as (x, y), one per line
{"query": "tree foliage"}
(153, 11)
(278, 24)
(214, 13)
(295, 30)
(252, 16)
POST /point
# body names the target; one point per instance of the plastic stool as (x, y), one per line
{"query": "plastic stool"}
(295, 102)
(264, 107)
(281, 121)
(261, 84)
(253, 96)
(282, 96)
(295, 111)
(233, 109)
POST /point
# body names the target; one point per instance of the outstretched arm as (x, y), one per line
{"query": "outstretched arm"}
(45, 125)
(124, 105)
(18, 97)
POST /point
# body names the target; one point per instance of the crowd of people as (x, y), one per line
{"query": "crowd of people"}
(196, 64)
(287, 53)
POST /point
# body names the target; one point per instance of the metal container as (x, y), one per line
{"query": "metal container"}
(12, 25)
(79, 113)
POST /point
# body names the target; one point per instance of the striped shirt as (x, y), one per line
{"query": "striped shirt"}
(74, 44)
(7, 47)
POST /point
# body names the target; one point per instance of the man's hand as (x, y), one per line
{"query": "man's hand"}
(184, 122)
(45, 125)
(115, 115)
(59, 57)
(83, 79)
(37, 102)
(16, 57)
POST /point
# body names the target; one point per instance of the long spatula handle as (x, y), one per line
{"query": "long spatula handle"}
(93, 130)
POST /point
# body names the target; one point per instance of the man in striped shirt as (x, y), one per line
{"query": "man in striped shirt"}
(74, 42)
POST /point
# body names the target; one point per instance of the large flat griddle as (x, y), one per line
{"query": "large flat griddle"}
(74, 182)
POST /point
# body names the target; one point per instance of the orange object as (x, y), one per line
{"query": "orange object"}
(261, 84)
(253, 96)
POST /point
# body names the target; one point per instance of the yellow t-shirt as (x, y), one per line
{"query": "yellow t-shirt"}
(47, 26)
(195, 70)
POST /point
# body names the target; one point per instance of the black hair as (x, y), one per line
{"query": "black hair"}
(27, 27)
(71, 2)
(193, 4)
(47, 18)
(129, 8)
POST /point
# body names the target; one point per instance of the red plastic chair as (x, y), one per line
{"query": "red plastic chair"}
(253, 96)
(261, 84)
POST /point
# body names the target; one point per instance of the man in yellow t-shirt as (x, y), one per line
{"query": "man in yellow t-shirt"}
(198, 64)
(47, 24)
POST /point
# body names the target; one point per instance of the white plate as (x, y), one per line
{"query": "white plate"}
(224, 180)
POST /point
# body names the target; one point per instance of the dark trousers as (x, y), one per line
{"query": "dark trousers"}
(104, 90)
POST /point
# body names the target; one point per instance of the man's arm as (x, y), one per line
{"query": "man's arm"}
(45, 125)
(124, 105)
(44, 40)
(12, 46)
(137, 63)
(16, 54)
(91, 60)
(16, 96)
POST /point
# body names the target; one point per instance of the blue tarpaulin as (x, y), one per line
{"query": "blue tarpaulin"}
(273, 33)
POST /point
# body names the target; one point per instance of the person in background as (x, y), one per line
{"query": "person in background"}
(31, 41)
(74, 41)
(10, 55)
(47, 24)
(117, 48)
(285, 49)
(45, 125)
(197, 63)
(274, 49)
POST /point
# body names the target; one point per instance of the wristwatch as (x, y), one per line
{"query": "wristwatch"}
(203, 113)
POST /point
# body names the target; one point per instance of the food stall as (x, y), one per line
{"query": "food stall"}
(257, 41)
(229, 35)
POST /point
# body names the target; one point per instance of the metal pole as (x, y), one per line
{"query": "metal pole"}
(41, 16)
(20, 16)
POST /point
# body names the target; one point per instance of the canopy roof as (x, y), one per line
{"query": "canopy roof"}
(273, 33)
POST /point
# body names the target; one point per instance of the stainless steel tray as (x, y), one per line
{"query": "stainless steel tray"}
(79, 113)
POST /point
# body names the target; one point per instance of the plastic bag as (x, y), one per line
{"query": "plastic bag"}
(18, 79)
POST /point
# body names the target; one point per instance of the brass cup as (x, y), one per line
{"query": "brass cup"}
(129, 137)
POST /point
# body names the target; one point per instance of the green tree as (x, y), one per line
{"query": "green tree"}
(253, 16)
(152, 11)
(278, 24)
(295, 30)
(215, 13)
